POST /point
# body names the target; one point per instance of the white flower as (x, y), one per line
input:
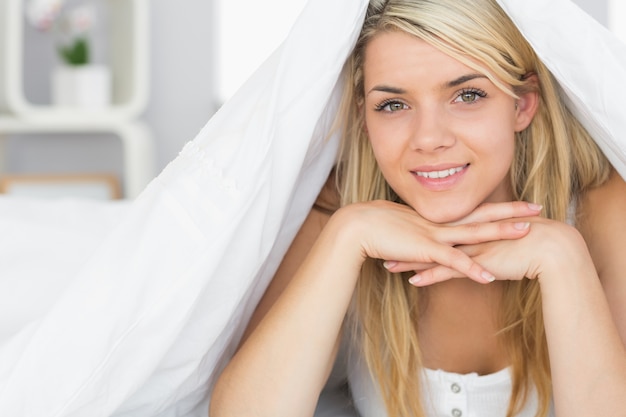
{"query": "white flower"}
(42, 13)
(80, 19)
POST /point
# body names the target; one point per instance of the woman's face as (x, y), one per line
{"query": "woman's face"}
(442, 133)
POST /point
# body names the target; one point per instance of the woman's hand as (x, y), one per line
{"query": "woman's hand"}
(398, 234)
(548, 248)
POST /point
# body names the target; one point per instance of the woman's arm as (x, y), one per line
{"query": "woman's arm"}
(326, 204)
(587, 357)
(283, 365)
(589, 337)
(602, 223)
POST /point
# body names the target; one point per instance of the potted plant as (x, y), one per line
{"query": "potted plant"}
(76, 81)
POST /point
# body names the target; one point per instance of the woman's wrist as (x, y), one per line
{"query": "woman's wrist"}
(563, 255)
(346, 232)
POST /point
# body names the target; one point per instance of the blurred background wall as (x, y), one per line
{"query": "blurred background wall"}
(200, 50)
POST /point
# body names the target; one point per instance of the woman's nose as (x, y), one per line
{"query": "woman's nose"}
(431, 131)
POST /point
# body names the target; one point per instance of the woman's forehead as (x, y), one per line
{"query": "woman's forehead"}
(395, 54)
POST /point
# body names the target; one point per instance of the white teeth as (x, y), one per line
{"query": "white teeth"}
(440, 174)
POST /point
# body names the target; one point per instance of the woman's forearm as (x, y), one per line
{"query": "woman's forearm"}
(282, 367)
(588, 360)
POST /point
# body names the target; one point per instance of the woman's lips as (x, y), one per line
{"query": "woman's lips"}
(440, 179)
(440, 173)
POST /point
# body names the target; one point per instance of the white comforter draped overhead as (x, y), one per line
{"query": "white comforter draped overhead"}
(134, 322)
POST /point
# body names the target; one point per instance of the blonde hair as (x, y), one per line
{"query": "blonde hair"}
(555, 160)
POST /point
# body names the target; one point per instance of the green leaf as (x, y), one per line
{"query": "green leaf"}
(77, 53)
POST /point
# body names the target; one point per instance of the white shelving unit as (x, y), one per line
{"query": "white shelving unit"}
(128, 60)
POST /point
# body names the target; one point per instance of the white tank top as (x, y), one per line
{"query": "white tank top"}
(446, 394)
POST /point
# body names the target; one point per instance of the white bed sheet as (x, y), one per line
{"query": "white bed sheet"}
(144, 325)
(43, 244)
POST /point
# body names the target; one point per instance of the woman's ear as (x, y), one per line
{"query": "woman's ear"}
(527, 103)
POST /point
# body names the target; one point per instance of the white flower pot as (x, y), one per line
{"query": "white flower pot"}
(83, 86)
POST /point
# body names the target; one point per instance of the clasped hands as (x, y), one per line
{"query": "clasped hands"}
(504, 241)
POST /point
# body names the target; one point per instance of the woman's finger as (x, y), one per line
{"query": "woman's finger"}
(491, 212)
(437, 274)
(457, 260)
(397, 266)
(473, 233)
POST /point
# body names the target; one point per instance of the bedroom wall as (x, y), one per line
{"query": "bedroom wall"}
(597, 8)
(184, 91)
(183, 72)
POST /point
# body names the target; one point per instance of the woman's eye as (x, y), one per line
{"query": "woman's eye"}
(391, 106)
(470, 96)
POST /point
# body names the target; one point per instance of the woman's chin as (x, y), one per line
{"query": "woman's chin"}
(440, 216)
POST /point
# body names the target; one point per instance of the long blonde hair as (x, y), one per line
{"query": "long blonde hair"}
(555, 160)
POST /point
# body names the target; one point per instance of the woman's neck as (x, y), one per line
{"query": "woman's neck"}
(458, 328)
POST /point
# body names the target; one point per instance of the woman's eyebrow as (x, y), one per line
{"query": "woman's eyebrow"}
(450, 84)
(387, 89)
(463, 79)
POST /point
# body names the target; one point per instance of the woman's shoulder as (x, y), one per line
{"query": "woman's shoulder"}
(602, 223)
(328, 200)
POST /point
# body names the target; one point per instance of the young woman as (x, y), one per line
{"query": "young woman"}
(472, 269)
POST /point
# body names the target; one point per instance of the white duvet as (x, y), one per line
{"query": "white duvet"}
(119, 309)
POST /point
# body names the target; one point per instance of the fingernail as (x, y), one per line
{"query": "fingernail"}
(536, 207)
(415, 279)
(487, 276)
(389, 264)
(521, 225)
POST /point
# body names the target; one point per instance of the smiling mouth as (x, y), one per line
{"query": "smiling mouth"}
(440, 174)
